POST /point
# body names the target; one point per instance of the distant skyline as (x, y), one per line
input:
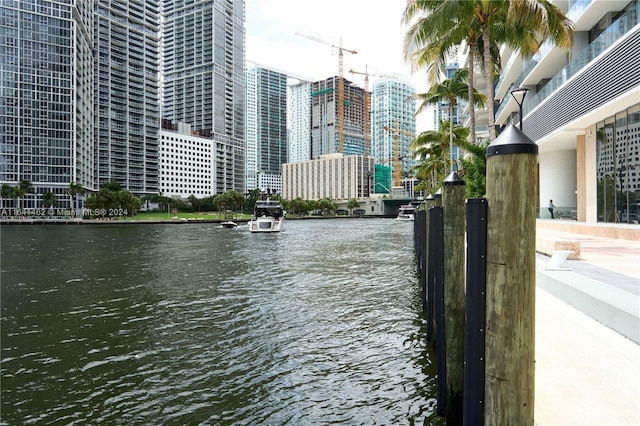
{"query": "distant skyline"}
(376, 33)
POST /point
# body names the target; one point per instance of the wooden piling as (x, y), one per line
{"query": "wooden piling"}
(436, 253)
(453, 203)
(437, 197)
(510, 312)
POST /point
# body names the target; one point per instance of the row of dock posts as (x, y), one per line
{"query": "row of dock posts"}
(476, 259)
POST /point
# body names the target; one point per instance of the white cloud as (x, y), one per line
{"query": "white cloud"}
(373, 29)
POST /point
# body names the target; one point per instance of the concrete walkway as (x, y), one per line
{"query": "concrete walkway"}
(587, 334)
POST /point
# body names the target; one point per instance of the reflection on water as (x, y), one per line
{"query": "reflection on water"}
(196, 324)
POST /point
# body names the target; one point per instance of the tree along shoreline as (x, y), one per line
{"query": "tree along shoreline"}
(171, 221)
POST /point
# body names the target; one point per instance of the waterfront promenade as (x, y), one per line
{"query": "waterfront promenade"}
(587, 373)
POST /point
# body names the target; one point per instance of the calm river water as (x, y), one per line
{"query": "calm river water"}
(194, 324)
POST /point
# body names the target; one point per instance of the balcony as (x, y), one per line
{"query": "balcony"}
(617, 33)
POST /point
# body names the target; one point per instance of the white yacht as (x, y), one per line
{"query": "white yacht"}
(268, 216)
(406, 212)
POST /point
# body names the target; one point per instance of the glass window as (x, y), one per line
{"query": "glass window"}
(618, 167)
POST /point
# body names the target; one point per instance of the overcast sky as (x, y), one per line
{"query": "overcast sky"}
(373, 29)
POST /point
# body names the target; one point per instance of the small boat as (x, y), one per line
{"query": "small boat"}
(229, 224)
(268, 216)
(407, 211)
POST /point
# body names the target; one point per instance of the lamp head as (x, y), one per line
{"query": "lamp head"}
(519, 94)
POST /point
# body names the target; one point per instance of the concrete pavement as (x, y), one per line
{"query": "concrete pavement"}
(587, 334)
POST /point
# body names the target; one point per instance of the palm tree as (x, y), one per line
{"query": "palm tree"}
(450, 90)
(230, 200)
(431, 170)
(112, 185)
(24, 187)
(107, 198)
(48, 199)
(432, 36)
(237, 200)
(326, 206)
(128, 203)
(195, 203)
(431, 147)
(472, 42)
(299, 206)
(74, 190)
(352, 204)
(7, 191)
(435, 35)
(521, 25)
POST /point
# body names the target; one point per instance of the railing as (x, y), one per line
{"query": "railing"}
(577, 9)
(563, 212)
(610, 36)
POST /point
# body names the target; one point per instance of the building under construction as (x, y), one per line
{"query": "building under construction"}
(326, 135)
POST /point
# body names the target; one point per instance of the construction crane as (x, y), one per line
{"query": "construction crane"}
(397, 169)
(367, 105)
(340, 100)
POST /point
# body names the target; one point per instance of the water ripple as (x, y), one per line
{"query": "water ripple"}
(195, 324)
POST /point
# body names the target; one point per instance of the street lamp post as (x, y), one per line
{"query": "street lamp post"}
(518, 95)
